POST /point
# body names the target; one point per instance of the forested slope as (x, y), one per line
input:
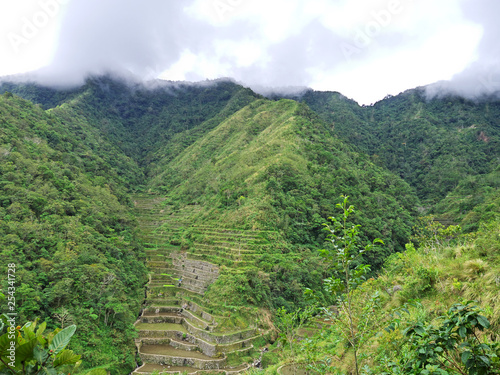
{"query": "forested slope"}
(66, 224)
(433, 144)
(149, 122)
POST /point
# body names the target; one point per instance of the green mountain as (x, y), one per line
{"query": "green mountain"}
(433, 144)
(223, 195)
(65, 223)
(277, 166)
(142, 120)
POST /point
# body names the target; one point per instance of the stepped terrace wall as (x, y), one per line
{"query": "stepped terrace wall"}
(218, 338)
(202, 364)
(194, 307)
(196, 275)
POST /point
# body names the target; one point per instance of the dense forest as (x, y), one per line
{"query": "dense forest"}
(66, 224)
(230, 169)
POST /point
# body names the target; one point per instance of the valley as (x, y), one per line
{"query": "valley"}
(171, 221)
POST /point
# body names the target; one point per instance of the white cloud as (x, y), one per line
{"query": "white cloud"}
(178, 70)
(28, 33)
(365, 49)
(391, 72)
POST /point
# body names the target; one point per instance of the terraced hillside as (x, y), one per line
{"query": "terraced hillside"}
(177, 330)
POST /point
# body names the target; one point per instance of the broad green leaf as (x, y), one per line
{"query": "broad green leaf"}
(66, 357)
(24, 352)
(420, 331)
(77, 364)
(30, 369)
(484, 346)
(40, 354)
(29, 330)
(48, 371)
(485, 360)
(41, 328)
(4, 342)
(483, 321)
(50, 336)
(62, 339)
(41, 340)
(465, 356)
(462, 331)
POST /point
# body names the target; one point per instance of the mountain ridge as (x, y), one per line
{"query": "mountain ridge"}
(228, 164)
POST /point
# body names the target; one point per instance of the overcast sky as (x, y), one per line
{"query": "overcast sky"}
(365, 49)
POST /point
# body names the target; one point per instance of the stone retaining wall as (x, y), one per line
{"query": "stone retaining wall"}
(197, 286)
(153, 341)
(197, 309)
(196, 275)
(138, 371)
(205, 347)
(183, 345)
(188, 315)
(202, 364)
(161, 319)
(171, 305)
(237, 346)
(218, 339)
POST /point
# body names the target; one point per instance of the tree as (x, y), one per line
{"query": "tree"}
(63, 316)
(344, 253)
(288, 324)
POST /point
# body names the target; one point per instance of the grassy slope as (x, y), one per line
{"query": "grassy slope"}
(276, 166)
(271, 153)
(476, 199)
(147, 122)
(236, 153)
(438, 275)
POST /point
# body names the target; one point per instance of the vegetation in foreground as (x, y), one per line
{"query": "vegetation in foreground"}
(434, 309)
